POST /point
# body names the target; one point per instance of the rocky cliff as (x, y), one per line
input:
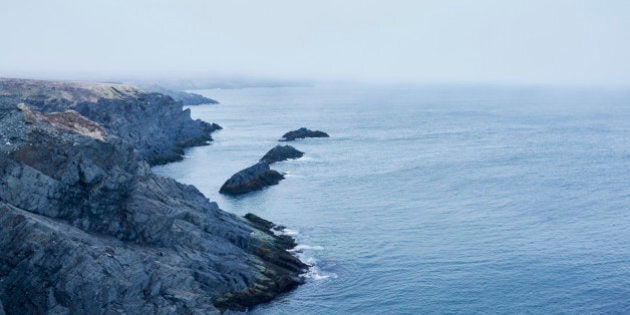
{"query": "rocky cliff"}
(86, 227)
(152, 123)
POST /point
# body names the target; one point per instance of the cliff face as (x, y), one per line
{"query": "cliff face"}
(85, 227)
(152, 123)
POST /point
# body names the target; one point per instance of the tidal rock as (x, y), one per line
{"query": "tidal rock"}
(255, 177)
(87, 228)
(303, 133)
(153, 123)
(281, 153)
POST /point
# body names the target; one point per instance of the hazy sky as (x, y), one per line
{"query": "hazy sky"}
(391, 41)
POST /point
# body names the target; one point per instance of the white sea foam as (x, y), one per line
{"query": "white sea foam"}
(302, 247)
(290, 232)
(285, 231)
(316, 274)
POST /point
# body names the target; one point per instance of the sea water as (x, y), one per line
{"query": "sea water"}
(436, 199)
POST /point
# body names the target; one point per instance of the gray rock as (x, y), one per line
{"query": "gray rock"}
(152, 123)
(86, 227)
(185, 98)
(255, 177)
(281, 153)
(303, 133)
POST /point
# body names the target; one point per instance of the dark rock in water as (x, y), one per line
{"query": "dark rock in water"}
(87, 228)
(186, 98)
(281, 153)
(152, 123)
(255, 177)
(303, 133)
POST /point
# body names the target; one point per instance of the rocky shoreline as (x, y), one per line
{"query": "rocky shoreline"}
(86, 227)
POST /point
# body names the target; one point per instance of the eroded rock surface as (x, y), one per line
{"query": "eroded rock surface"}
(152, 123)
(87, 228)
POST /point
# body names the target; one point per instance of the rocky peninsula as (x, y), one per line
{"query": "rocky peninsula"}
(152, 123)
(86, 227)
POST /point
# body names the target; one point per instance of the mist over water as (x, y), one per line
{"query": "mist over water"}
(436, 199)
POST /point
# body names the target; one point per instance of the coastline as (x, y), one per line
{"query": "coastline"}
(79, 195)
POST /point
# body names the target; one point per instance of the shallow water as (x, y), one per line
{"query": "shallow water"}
(436, 199)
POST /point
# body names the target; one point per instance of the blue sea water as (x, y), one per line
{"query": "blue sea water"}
(436, 199)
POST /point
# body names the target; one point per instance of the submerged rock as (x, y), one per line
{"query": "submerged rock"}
(281, 153)
(87, 228)
(303, 133)
(255, 177)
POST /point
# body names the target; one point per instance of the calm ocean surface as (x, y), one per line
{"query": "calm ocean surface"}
(436, 199)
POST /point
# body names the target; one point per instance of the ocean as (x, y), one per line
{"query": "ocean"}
(454, 199)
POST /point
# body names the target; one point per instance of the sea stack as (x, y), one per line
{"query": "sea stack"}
(281, 153)
(255, 177)
(303, 133)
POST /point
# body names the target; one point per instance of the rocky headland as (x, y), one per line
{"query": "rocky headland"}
(187, 98)
(152, 123)
(303, 133)
(87, 228)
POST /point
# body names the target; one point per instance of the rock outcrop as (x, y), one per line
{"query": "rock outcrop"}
(87, 228)
(281, 153)
(303, 133)
(152, 123)
(255, 177)
(186, 98)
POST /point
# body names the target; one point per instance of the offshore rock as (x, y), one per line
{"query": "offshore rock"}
(281, 153)
(152, 123)
(255, 177)
(87, 228)
(303, 133)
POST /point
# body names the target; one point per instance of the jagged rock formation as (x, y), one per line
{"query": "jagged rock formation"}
(186, 98)
(152, 123)
(260, 175)
(255, 177)
(281, 153)
(87, 228)
(303, 133)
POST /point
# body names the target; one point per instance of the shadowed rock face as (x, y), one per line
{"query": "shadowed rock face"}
(303, 133)
(87, 228)
(152, 123)
(255, 177)
(281, 153)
